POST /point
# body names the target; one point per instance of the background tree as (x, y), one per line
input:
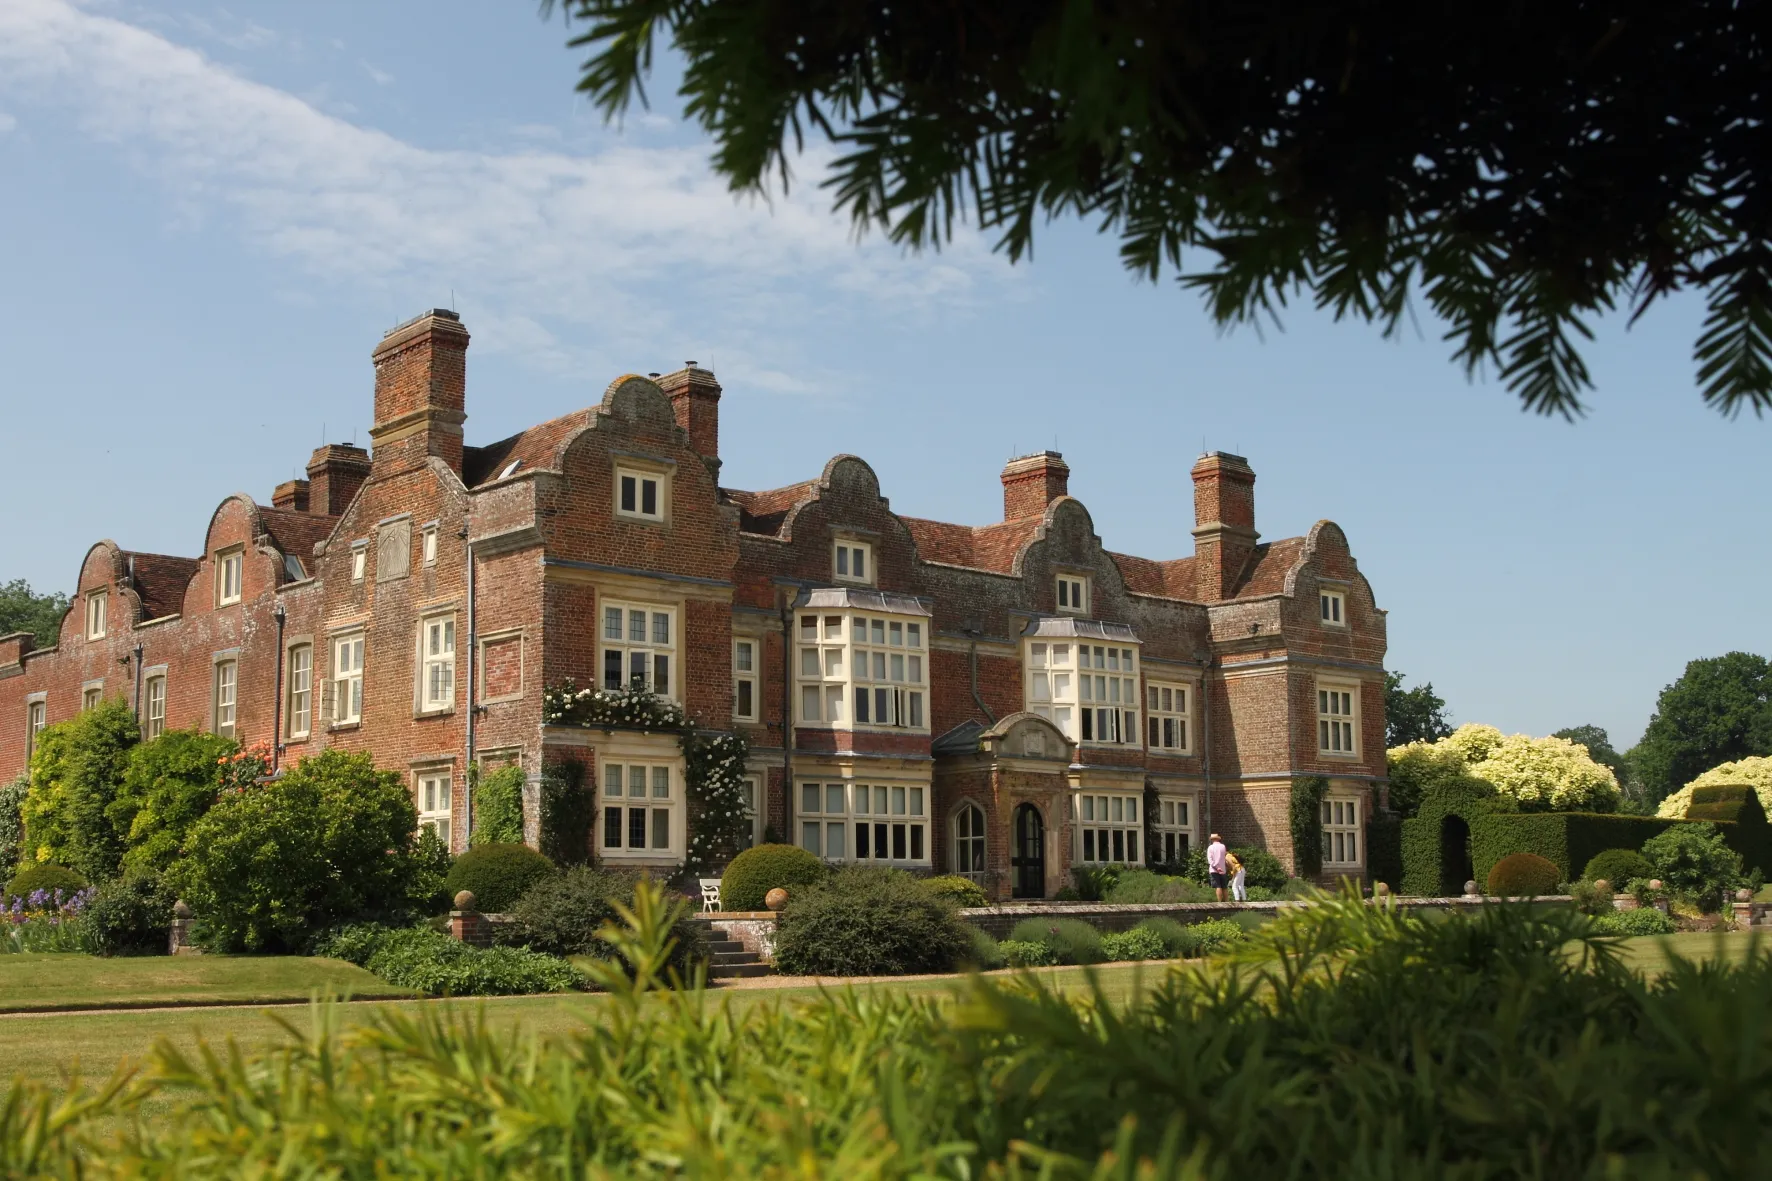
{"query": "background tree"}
(1600, 749)
(23, 611)
(1520, 168)
(1412, 715)
(1718, 711)
(76, 770)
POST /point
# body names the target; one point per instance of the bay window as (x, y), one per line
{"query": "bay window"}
(858, 669)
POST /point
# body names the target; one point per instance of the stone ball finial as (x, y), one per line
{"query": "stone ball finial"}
(776, 898)
(1470, 890)
(1744, 895)
(181, 909)
(465, 900)
(1603, 886)
(1655, 883)
(1380, 889)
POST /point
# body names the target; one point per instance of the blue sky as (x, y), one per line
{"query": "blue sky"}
(209, 214)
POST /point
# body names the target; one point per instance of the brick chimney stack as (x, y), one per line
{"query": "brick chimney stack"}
(1033, 482)
(291, 495)
(695, 396)
(335, 473)
(420, 392)
(1224, 522)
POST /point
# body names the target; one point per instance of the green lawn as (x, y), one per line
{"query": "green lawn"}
(36, 982)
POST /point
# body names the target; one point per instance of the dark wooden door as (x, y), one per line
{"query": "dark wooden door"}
(1028, 853)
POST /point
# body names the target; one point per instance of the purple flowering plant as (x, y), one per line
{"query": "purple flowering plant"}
(46, 921)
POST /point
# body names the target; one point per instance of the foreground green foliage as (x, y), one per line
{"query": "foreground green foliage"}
(1344, 1041)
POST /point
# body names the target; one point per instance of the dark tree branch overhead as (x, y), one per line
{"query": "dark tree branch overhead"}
(1523, 168)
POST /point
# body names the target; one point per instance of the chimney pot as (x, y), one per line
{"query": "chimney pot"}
(335, 473)
(695, 397)
(1224, 522)
(1031, 482)
(420, 391)
(292, 495)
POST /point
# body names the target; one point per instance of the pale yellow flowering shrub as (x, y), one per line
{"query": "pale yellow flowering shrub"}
(1755, 772)
(1472, 741)
(1548, 773)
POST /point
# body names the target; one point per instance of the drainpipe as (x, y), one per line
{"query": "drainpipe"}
(787, 720)
(277, 703)
(138, 685)
(473, 643)
(1206, 738)
(972, 661)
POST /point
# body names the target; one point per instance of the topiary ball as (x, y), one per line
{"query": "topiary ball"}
(1523, 875)
(760, 869)
(44, 875)
(1617, 865)
(497, 875)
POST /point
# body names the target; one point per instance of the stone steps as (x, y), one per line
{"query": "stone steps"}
(728, 960)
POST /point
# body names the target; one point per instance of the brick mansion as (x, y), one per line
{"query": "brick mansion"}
(1007, 700)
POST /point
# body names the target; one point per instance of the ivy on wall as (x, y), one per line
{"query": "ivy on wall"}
(1307, 824)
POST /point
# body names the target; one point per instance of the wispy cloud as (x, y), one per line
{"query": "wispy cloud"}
(7, 122)
(549, 251)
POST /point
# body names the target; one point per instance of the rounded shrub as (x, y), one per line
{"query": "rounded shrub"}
(43, 875)
(867, 921)
(1617, 866)
(1523, 875)
(761, 868)
(560, 914)
(963, 892)
(1261, 869)
(498, 875)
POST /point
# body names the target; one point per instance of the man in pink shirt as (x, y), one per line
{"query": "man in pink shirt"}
(1217, 872)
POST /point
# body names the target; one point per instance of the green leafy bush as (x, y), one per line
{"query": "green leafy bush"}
(269, 865)
(1261, 869)
(1523, 875)
(44, 875)
(1617, 866)
(1177, 938)
(1694, 862)
(867, 921)
(561, 914)
(498, 806)
(1095, 883)
(761, 868)
(1140, 943)
(434, 964)
(1072, 941)
(12, 824)
(168, 784)
(131, 915)
(1590, 899)
(76, 769)
(1642, 921)
(1021, 953)
(1142, 885)
(1215, 935)
(1556, 1048)
(986, 953)
(498, 875)
(1293, 890)
(962, 892)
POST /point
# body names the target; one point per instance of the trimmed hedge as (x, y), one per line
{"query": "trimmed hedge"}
(1523, 875)
(1306, 822)
(1569, 840)
(1425, 869)
(1736, 810)
(1617, 866)
(498, 875)
(761, 868)
(432, 963)
(1384, 848)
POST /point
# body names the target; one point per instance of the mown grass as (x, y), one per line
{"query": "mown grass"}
(38, 982)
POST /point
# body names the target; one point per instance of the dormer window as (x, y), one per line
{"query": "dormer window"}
(96, 604)
(230, 566)
(1073, 594)
(1333, 605)
(640, 495)
(853, 561)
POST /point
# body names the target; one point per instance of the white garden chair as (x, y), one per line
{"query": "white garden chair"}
(710, 895)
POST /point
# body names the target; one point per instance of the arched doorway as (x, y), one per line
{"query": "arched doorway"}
(1028, 853)
(1455, 855)
(968, 859)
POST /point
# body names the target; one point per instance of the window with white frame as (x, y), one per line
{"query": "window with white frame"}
(428, 546)
(1335, 720)
(435, 794)
(230, 568)
(156, 709)
(1073, 594)
(92, 697)
(744, 680)
(639, 494)
(1090, 691)
(639, 646)
(1173, 826)
(301, 691)
(437, 673)
(888, 822)
(1333, 605)
(969, 842)
(227, 688)
(852, 561)
(754, 812)
(638, 803)
(96, 604)
(1107, 828)
(862, 670)
(1166, 709)
(36, 717)
(1341, 832)
(347, 679)
(359, 560)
